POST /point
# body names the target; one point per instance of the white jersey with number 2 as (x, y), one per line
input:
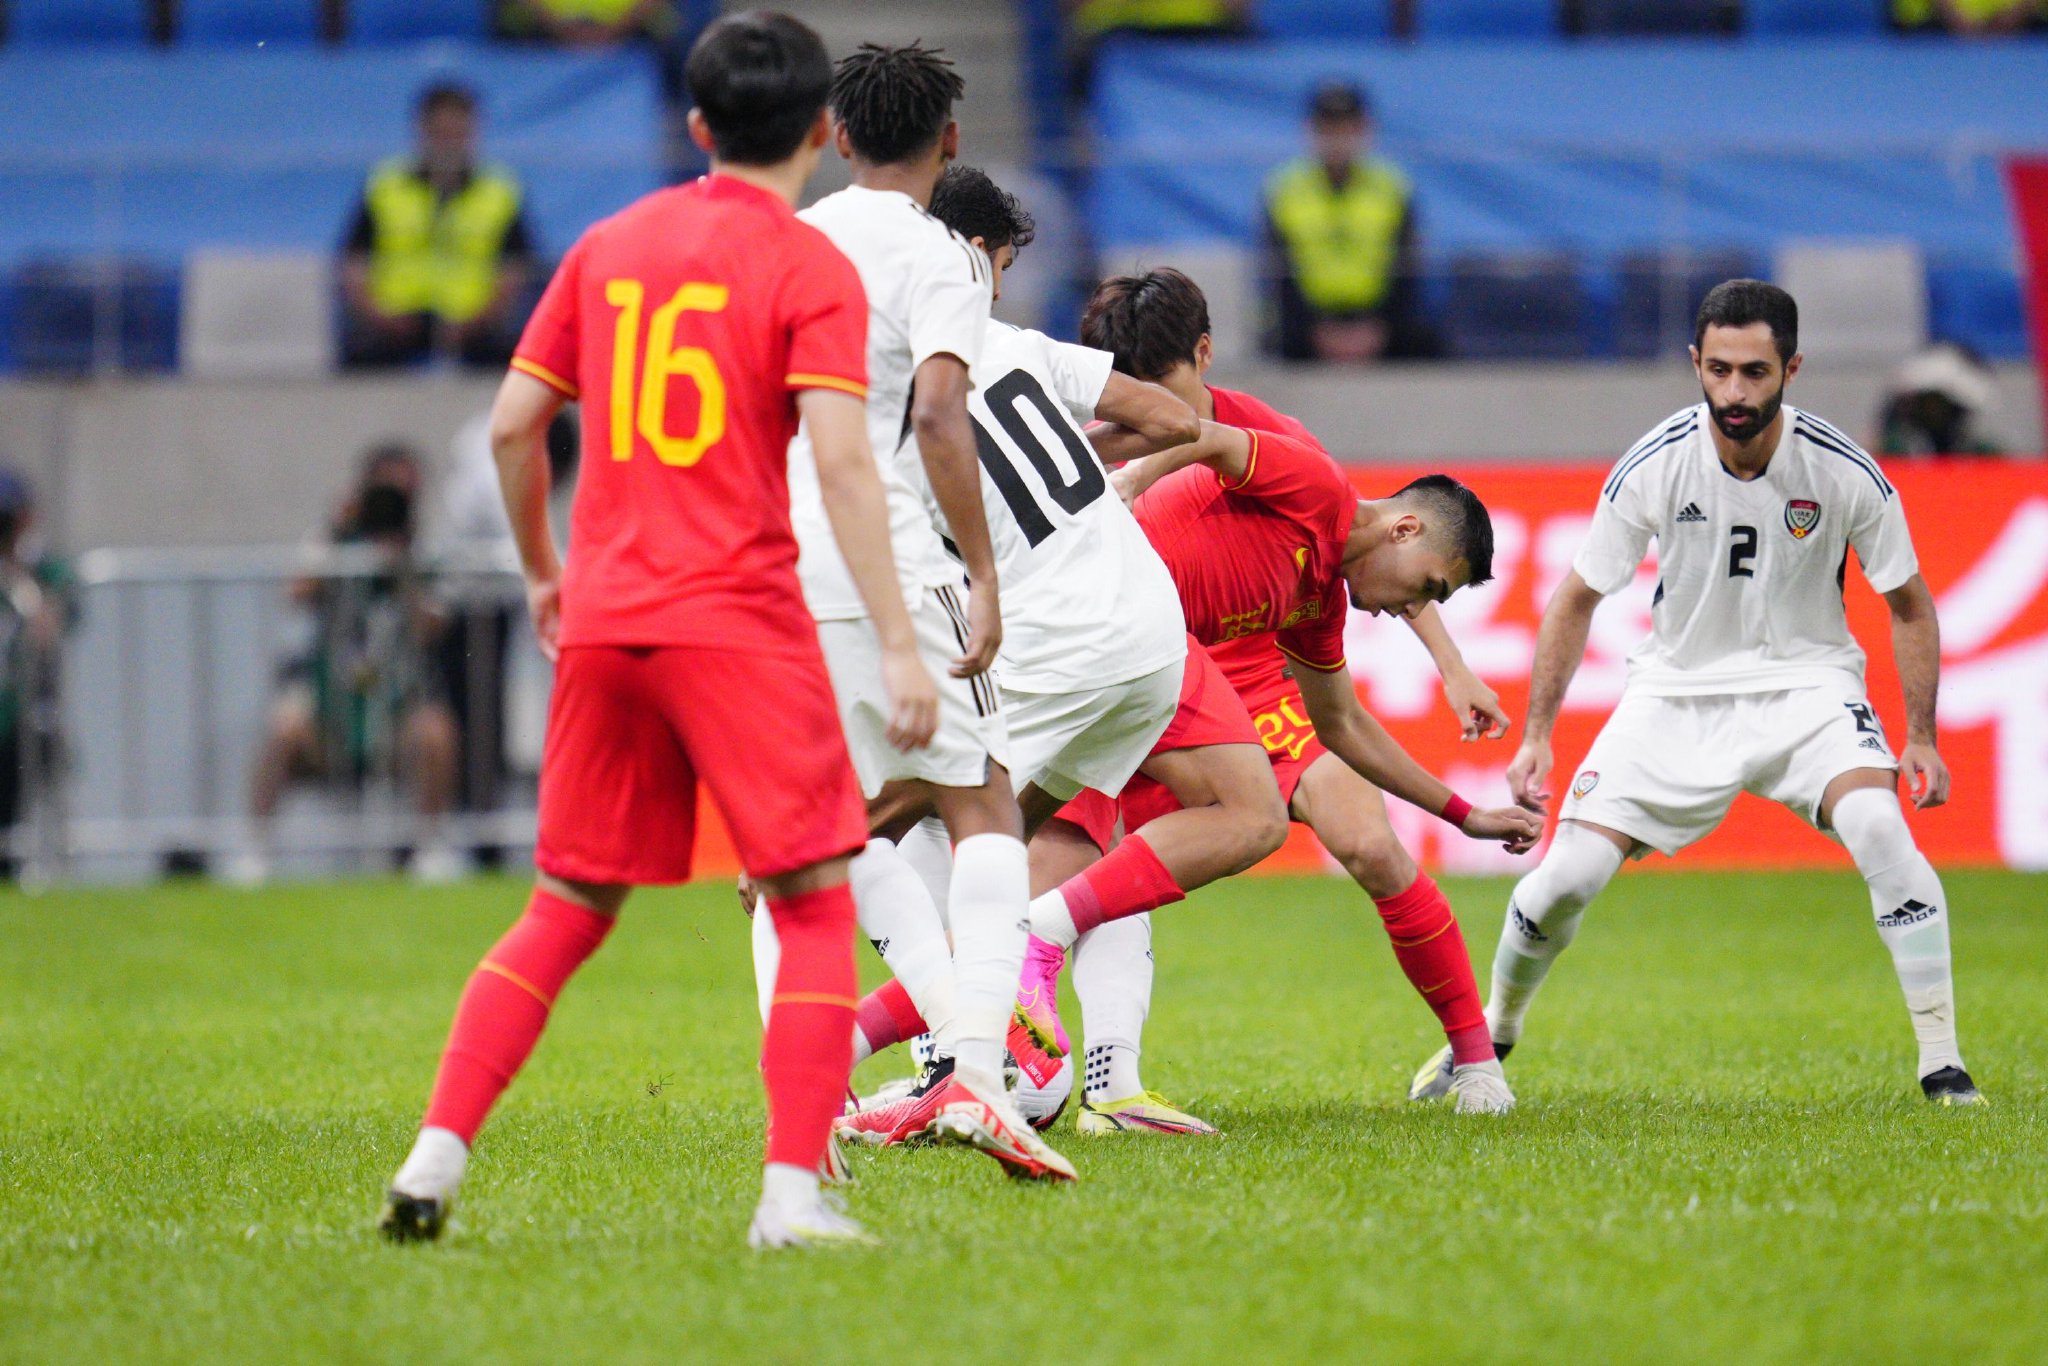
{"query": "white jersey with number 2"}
(1751, 572)
(1087, 602)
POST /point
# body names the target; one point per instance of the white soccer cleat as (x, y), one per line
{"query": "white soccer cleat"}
(1481, 1089)
(1433, 1082)
(818, 1223)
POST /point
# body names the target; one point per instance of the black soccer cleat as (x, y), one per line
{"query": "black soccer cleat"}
(411, 1218)
(1501, 1050)
(1951, 1086)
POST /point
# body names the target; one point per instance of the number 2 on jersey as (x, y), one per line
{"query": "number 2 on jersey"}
(1088, 483)
(664, 360)
(1741, 552)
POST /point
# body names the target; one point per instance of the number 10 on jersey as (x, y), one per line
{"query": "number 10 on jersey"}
(663, 360)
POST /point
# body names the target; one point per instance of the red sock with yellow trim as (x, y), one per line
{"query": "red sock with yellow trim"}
(505, 1007)
(1431, 949)
(807, 1053)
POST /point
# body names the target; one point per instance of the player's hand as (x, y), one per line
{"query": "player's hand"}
(1477, 707)
(750, 895)
(984, 631)
(544, 605)
(1529, 774)
(1926, 775)
(913, 699)
(1124, 479)
(1516, 829)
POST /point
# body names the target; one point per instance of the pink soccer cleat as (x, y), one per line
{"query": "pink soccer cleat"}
(1038, 998)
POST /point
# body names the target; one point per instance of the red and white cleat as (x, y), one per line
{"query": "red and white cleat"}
(900, 1118)
(979, 1114)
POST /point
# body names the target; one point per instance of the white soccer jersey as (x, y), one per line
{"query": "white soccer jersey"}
(928, 295)
(1087, 602)
(1749, 597)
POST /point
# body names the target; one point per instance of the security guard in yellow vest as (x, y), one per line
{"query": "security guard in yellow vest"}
(439, 250)
(1340, 240)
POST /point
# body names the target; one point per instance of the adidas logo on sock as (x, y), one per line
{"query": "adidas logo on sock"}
(1909, 914)
(1526, 927)
(1691, 513)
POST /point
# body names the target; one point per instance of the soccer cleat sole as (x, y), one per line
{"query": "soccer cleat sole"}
(1098, 1124)
(412, 1218)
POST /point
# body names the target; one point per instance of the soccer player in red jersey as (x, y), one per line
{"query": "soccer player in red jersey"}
(1282, 645)
(701, 321)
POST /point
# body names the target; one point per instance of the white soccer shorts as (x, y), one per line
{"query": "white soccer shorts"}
(971, 732)
(1666, 769)
(1064, 742)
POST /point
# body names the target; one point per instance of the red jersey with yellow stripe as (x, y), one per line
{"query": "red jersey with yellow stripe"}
(686, 325)
(1257, 560)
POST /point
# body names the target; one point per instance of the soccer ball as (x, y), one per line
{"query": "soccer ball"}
(1042, 1106)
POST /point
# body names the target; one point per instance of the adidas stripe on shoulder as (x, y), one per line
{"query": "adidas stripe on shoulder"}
(1662, 437)
(1830, 438)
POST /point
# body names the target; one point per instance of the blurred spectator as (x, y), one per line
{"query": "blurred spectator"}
(666, 28)
(34, 611)
(1340, 243)
(1938, 403)
(1090, 21)
(438, 253)
(1976, 18)
(364, 691)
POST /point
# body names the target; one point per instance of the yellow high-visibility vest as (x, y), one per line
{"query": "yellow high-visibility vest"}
(429, 255)
(1342, 243)
(1100, 16)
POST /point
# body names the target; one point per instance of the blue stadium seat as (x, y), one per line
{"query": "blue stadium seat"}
(411, 21)
(1486, 18)
(78, 23)
(1651, 18)
(233, 22)
(1323, 20)
(1658, 294)
(1979, 306)
(1522, 306)
(57, 317)
(1812, 18)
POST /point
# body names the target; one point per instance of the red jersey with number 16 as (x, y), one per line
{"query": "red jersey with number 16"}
(686, 324)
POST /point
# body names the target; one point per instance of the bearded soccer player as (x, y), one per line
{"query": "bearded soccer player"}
(1749, 680)
(703, 320)
(1157, 327)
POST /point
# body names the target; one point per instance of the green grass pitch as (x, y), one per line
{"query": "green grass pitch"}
(1720, 1153)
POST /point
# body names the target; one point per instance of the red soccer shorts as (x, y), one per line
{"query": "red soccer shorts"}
(631, 731)
(1281, 721)
(1210, 713)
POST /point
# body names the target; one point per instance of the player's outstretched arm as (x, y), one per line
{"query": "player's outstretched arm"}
(1226, 450)
(1560, 645)
(519, 442)
(1353, 735)
(859, 513)
(1142, 419)
(1477, 707)
(945, 443)
(1916, 649)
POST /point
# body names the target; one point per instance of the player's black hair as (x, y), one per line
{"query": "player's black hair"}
(759, 79)
(1738, 303)
(1457, 515)
(971, 204)
(1149, 323)
(445, 95)
(894, 102)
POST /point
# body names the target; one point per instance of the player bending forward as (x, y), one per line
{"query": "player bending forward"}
(679, 622)
(928, 296)
(1749, 680)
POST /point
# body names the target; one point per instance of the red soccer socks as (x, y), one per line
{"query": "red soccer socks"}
(1431, 950)
(807, 1053)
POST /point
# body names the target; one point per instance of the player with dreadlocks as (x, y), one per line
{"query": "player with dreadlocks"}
(928, 301)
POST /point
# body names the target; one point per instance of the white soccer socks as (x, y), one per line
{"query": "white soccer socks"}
(1113, 978)
(897, 915)
(928, 849)
(1912, 916)
(435, 1166)
(1543, 916)
(988, 897)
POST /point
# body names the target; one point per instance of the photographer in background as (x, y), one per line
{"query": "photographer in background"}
(363, 692)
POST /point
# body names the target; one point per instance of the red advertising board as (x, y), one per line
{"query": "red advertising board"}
(1981, 528)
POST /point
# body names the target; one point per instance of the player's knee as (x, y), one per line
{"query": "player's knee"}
(1578, 865)
(1873, 829)
(1263, 830)
(1375, 860)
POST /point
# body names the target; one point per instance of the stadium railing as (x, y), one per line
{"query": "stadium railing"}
(165, 684)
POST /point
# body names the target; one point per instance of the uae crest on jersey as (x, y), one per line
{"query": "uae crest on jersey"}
(1802, 515)
(1585, 783)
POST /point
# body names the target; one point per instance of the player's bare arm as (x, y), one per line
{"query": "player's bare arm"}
(1477, 707)
(1560, 645)
(519, 432)
(1916, 649)
(1224, 449)
(858, 511)
(1353, 735)
(945, 443)
(1140, 419)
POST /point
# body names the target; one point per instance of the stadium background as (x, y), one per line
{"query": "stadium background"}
(177, 179)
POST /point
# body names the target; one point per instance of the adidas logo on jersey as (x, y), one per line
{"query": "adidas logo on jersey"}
(1691, 513)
